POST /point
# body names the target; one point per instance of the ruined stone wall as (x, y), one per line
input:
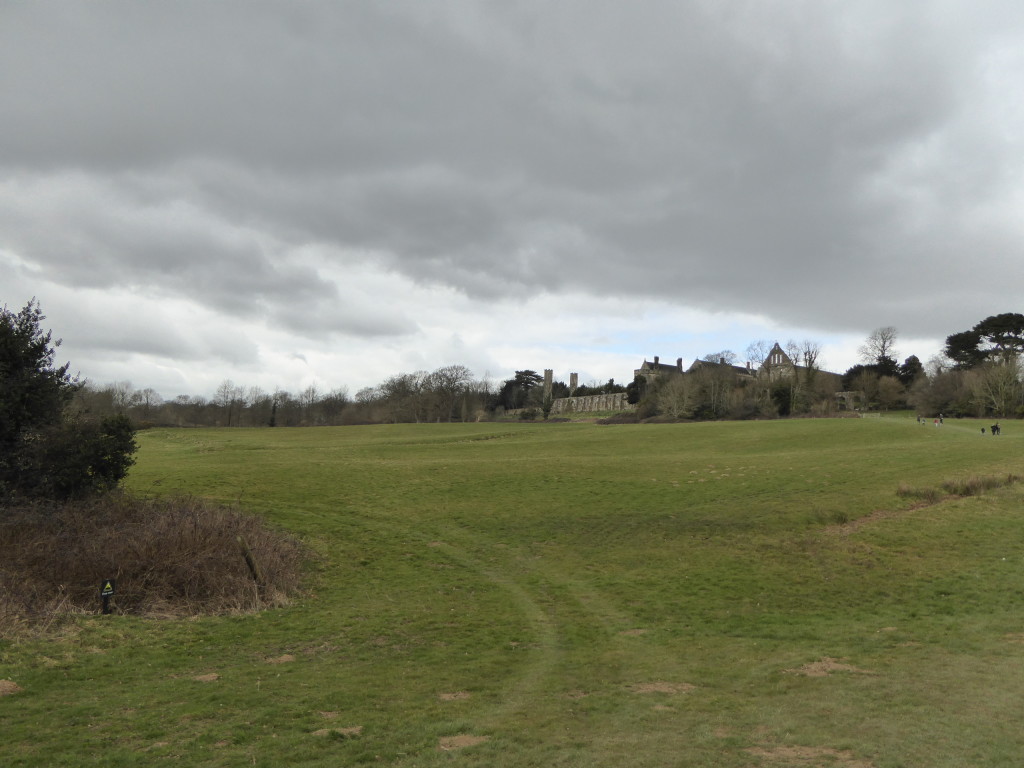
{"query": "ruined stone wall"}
(615, 402)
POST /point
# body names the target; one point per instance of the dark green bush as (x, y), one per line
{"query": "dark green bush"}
(44, 452)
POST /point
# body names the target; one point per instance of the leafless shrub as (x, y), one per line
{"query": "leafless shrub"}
(178, 556)
(12, 619)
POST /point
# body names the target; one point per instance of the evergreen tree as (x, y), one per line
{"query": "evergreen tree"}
(43, 452)
(998, 338)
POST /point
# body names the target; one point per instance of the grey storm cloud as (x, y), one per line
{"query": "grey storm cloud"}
(814, 162)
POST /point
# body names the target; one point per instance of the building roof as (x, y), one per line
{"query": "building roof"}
(659, 367)
(721, 365)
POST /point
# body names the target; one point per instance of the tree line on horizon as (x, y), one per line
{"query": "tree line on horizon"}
(449, 393)
(979, 374)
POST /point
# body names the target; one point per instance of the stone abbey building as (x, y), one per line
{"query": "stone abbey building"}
(777, 365)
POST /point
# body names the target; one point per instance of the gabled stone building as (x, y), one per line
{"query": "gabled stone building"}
(657, 368)
(777, 365)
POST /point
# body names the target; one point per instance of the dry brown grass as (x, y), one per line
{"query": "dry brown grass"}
(975, 485)
(929, 495)
(169, 557)
(971, 485)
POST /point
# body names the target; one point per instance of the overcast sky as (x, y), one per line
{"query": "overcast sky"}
(290, 193)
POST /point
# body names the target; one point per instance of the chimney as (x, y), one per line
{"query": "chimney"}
(656, 358)
(679, 364)
(721, 361)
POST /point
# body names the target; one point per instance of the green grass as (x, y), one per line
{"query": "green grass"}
(597, 596)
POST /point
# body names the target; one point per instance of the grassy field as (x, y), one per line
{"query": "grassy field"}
(715, 594)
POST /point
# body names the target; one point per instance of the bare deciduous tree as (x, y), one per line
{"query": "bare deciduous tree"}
(809, 353)
(889, 392)
(726, 356)
(938, 365)
(881, 343)
(997, 387)
(230, 398)
(401, 396)
(445, 385)
(309, 397)
(866, 383)
(757, 351)
(148, 398)
(677, 396)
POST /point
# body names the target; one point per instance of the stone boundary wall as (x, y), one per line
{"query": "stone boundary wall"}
(615, 402)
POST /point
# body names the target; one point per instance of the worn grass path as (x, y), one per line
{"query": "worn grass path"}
(731, 594)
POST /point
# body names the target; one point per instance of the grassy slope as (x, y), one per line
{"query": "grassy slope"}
(606, 596)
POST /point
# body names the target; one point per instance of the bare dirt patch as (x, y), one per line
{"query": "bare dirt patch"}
(455, 696)
(825, 667)
(9, 687)
(282, 659)
(878, 516)
(208, 678)
(845, 529)
(634, 632)
(463, 740)
(662, 687)
(809, 757)
(328, 715)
